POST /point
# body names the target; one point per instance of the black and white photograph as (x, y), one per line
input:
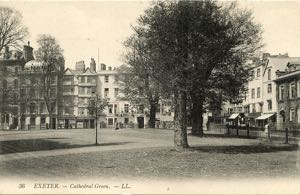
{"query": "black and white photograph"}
(150, 97)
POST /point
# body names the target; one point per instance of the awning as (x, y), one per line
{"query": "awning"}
(234, 116)
(264, 116)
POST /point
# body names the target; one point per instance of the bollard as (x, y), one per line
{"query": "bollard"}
(286, 135)
(248, 130)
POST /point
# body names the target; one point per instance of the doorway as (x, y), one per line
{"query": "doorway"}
(140, 121)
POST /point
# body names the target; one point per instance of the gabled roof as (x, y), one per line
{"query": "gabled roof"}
(74, 72)
(89, 71)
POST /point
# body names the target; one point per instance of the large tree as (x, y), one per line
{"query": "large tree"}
(50, 54)
(139, 83)
(12, 31)
(191, 39)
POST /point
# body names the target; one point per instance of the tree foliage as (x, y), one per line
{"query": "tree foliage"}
(139, 83)
(50, 54)
(12, 31)
(191, 43)
(96, 105)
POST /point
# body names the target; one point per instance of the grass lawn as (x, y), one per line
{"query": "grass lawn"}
(210, 161)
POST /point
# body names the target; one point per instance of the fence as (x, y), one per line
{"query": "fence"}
(277, 131)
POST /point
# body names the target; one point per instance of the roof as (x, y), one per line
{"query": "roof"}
(33, 64)
(290, 74)
(264, 116)
(280, 63)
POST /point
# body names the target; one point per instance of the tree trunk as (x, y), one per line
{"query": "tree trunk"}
(153, 106)
(197, 116)
(180, 122)
(50, 120)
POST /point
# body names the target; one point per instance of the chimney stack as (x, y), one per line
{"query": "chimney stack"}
(27, 51)
(93, 64)
(80, 66)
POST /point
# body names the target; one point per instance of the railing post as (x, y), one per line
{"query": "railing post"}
(286, 135)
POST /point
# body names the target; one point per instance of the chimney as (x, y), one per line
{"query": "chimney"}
(80, 66)
(103, 66)
(93, 64)
(27, 52)
(265, 56)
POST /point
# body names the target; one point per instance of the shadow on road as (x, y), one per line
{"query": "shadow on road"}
(30, 145)
(245, 149)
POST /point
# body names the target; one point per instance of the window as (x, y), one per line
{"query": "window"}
(116, 92)
(43, 120)
(126, 108)
(292, 114)
(292, 90)
(126, 120)
(110, 108)
(258, 72)
(269, 74)
(16, 69)
(41, 108)
(270, 88)
(32, 108)
(81, 111)
(253, 73)
(115, 108)
(281, 92)
(258, 92)
(141, 109)
(93, 90)
(88, 80)
(88, 90)
(23, 108)
(82, 79)
(81, 90)
(252, 93)
(106, 91)
(80, 101)
(116, 78)
(269, 104)
(110, 121)
(32, 120)
(106, 79)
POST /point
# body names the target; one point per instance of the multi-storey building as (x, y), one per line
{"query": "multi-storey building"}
(79, 86)
(260, 103)
(288, 96)
(11, 64)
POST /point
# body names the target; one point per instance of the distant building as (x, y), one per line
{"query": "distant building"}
(260, 104)
(288, 95)
(11, 64)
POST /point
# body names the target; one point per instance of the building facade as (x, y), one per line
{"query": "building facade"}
(288, 96)
(260, 102)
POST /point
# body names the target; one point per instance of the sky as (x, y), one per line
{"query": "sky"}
(84, 28)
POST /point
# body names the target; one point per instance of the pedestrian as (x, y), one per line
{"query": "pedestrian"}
(207, 125)
(117, 126)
